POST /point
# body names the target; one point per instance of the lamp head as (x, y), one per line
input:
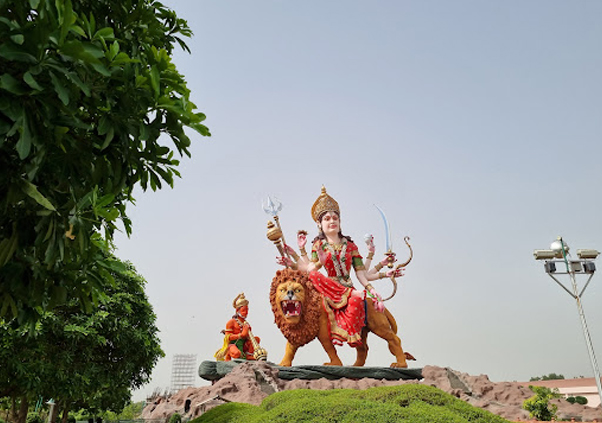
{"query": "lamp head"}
(587, 254)
(544, 254)
(558, 245)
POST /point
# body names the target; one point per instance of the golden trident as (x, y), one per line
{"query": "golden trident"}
(272, 207)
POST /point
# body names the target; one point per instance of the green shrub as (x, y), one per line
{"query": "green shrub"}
(580, 400)
(34, 418)
(539, 405)
(571, 400)
(175, 418)
(403, 403)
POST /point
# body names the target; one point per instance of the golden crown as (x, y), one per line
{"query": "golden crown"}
(240, 301)
(324, 203)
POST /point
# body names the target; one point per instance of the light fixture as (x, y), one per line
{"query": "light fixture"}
(589, 267)
(588, 254)
(550, 267)
(544, 254)
(584, 265)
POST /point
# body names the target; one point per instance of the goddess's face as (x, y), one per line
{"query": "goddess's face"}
(243, 311)
(330, 223)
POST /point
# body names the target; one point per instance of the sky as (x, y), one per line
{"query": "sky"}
(475, 125)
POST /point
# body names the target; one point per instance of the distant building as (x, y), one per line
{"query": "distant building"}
(585, 387)
(183, 371)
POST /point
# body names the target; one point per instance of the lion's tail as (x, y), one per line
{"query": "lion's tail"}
(391, 320)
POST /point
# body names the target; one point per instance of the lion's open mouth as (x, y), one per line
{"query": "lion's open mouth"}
(291, 308)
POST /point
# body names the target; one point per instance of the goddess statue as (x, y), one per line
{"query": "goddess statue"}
(337, 253)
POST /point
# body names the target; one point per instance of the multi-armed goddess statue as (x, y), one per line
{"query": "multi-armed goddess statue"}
(342, 313)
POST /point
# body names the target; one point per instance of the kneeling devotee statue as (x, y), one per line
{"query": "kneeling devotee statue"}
(239, 342)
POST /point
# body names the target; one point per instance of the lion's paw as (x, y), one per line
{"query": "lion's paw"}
(399, 365)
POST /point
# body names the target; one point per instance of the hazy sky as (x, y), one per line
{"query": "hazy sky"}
(475, 125)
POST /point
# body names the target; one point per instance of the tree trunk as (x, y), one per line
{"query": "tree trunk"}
(20, 414)
(65, 414)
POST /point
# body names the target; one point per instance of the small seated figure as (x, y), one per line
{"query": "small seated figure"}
(239, 342)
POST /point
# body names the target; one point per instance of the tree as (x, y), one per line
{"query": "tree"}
(551, 376)
(83, 360)
(539, 404)
(87, 88)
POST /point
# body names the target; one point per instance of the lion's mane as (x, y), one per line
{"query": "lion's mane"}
(308, 326)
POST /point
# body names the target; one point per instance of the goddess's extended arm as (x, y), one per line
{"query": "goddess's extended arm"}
(373, 274)
(303, 262)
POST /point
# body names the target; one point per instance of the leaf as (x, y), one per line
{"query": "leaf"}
(82, 86)
(67, 21)
(60, 131)
(14, 53)
(60, 89)
(30, 80)
(34, 4)
(105, 200)
(166, 175)
(23, 146)
(78, 30)
(32, 191)
(86, 52)
(104, 33)
(154, 80)
(4, 128)
(201, 129)
(93, 50)
(8, 247)
(17, 39)
(86, 199)
(113, 51)
(8, 301)
(155, 182)
(49, 232)
(108, 138)
(11, 84)
(114, 265)
(109, 214)
(101, 69)
(124, 58)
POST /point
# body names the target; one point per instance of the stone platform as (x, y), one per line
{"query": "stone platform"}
(215, 370)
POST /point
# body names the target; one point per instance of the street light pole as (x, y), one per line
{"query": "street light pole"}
(588, 339)
(559, 250)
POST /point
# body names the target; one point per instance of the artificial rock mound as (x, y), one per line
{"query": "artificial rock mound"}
(251, 382)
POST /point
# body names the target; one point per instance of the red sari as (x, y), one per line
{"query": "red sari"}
(346, 313)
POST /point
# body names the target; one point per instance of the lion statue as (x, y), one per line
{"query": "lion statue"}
(299, 315)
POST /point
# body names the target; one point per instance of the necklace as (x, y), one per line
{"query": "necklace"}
(339, 268)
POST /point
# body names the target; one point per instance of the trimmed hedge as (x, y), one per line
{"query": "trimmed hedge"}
(404, 403)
